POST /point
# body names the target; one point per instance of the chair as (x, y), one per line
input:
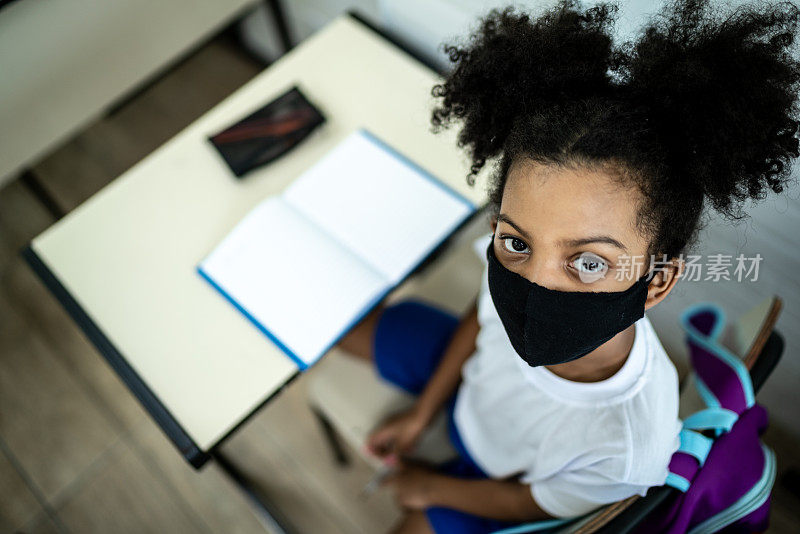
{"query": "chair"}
(349, 399)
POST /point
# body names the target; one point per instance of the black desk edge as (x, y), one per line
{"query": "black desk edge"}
(170, 426)
(162, 416)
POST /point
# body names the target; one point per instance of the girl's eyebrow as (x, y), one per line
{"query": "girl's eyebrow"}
(570, 242)
(594, 239)
(506, 219)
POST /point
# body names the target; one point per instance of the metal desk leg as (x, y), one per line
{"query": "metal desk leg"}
(268, 514)
(275, 8)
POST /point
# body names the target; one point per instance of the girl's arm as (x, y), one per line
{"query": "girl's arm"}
(417, 488)
(496, 499)
(448, 374)
(399, 433)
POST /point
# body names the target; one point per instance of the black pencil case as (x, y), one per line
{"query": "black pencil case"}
(268, 133)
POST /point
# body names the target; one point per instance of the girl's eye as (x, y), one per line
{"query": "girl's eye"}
(590, 266)
(512, 244)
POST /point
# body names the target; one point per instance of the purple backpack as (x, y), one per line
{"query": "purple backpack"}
(722, 471)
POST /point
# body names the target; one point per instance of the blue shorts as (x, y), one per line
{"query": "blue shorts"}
(410, 338)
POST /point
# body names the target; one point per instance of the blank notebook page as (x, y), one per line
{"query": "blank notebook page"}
(300, 286)
(387, 210)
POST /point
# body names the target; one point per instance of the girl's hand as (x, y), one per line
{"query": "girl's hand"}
(398, 434)
(412, 485)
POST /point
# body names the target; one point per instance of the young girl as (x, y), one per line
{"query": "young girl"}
(561, 397)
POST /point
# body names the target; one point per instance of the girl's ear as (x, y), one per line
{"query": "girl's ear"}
(663, 282)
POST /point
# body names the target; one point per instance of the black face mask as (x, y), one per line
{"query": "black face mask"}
(548, 327)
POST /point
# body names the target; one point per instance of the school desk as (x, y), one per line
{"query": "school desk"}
(123, 262)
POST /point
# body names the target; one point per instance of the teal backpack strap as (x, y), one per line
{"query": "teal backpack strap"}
(676, 481)
(715, 417)
(722, 378)
(695, 444)
(702, 389)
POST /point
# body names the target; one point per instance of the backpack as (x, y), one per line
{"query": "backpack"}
(722, 470)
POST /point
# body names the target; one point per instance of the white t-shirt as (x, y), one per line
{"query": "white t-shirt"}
(578, 444)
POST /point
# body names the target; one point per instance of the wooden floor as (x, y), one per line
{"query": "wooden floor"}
(77, 453)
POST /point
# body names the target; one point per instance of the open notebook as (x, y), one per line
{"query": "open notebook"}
(306, 265)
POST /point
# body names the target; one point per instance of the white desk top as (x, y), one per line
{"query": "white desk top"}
(127, 255)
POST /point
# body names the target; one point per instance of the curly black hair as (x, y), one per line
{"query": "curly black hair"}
(699, 110)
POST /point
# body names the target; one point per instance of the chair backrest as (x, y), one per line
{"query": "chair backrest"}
(754, 330)
(748, 335)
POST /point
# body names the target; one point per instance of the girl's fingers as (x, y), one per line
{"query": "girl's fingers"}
(405, 445)
(380, 443)
(375, 449)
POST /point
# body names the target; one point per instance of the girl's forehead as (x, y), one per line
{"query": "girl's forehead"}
(563, 203)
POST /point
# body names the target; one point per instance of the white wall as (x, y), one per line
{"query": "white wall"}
(64, 62)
